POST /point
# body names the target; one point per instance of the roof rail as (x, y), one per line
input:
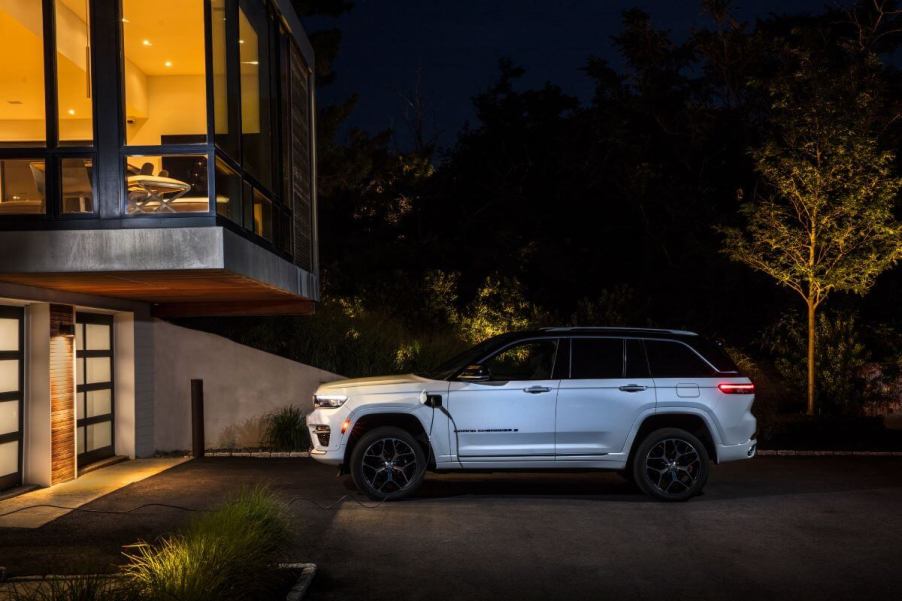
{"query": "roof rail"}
(618, 328)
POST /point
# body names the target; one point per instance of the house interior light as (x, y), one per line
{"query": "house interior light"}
(71, 111)
(167, 64)
(146, 43)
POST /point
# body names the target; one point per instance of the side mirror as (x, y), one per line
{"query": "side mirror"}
(474, 373)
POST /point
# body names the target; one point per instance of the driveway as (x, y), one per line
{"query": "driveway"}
(772, 528)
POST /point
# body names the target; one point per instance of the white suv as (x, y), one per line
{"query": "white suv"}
(656, 405)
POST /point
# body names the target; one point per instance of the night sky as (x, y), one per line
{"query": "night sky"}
(456, 45)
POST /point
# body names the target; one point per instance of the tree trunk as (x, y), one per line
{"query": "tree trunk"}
(812, 339)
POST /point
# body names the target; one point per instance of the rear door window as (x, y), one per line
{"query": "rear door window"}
(596, 358)
(669, 359)
(636, 362)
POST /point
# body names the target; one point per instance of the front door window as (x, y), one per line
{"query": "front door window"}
(94, 386)
(533, 360)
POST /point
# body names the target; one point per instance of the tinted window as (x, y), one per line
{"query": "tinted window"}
(595, 358)
(533, 360)
(714, 353)
(636, 363)
(675, 360)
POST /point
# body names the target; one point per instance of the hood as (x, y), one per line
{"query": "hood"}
(384, 383)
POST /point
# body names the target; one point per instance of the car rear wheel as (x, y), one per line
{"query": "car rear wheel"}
(388, 464)
(671, 465)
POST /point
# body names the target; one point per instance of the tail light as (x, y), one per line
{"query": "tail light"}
(731, 388)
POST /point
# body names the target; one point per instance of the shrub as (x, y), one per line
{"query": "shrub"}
(286, 430)
(229, 554)
(841, 355)
(77, 588)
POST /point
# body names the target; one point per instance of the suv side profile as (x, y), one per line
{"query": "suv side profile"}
(658, 406)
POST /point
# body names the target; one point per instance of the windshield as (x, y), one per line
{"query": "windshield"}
(459, 361)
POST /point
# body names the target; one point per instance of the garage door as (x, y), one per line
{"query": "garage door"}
(94, 386)
(11, 378)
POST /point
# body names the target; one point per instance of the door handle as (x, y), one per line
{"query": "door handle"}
(537, 389)
(632, 388)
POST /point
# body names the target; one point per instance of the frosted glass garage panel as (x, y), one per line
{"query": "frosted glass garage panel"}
(99, 402)
(98, 337)
(9, 375)
(9, 458)
(98, 370)
(9, 416)
(99, 436)
(9, 334)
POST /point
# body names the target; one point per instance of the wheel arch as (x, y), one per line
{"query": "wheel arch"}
(694, 423)
(406, 421)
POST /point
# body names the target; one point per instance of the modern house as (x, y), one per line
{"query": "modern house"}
(156, 160)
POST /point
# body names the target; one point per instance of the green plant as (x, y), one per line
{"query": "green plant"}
(841, 356)
(78, 588)
(286, 430)
(229, 554)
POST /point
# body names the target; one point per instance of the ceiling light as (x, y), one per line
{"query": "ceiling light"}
(71, 111)
(147, 43)
(168, 64)
(124, 20)
(240, 41)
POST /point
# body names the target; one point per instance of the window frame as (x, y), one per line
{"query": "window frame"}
(52, 152)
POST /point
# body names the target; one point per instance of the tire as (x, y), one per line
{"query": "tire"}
(671, 465)
(388, 464)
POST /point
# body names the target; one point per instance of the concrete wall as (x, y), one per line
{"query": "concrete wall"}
(241, 385)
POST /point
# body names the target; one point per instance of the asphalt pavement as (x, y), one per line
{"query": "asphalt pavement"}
(771, 528)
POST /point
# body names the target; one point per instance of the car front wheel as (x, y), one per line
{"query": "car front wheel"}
(388, 464)
(671, 465)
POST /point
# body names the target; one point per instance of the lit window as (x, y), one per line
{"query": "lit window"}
(77, 186)
(256, 135)
(22, 109)
(165, 87)
(164, 185)
(22, 183)
(73, 72)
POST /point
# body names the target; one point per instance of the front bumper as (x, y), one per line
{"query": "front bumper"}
(326, 438)
(737, 452)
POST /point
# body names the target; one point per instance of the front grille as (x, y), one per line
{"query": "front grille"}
(322, 435)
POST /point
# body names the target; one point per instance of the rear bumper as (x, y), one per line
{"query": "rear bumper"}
(737, 452)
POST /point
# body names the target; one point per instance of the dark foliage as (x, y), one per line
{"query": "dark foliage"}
(586, 204)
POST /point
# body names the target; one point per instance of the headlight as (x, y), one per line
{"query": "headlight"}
(329, 401)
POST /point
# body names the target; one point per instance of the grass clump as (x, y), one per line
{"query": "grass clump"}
(77, 588)
(286, 430)
(229, 554)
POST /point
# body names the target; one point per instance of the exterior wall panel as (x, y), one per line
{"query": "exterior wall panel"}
(62, 394)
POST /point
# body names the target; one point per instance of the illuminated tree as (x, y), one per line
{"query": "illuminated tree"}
(824, 221)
